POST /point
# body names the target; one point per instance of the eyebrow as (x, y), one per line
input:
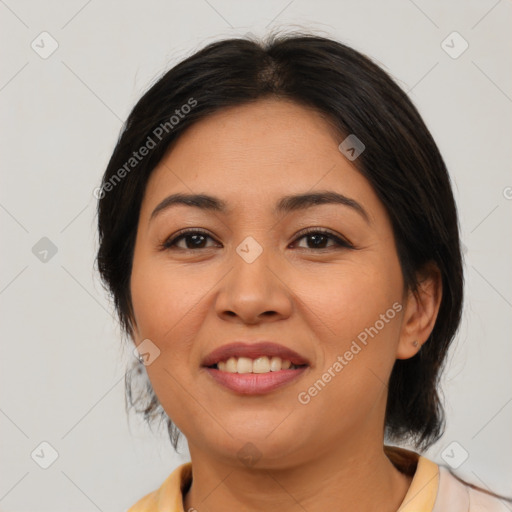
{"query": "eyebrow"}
(286, 204)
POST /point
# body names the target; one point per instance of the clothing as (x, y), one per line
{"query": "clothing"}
(433, 489)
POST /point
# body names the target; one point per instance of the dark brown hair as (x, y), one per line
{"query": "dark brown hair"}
(401, 162)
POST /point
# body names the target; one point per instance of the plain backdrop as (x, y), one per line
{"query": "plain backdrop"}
(63, 362)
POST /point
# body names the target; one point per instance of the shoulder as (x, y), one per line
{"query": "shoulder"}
(455, 495)
(148, 503)
(169, 496)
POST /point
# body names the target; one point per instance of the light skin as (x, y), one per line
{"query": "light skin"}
(324, 455)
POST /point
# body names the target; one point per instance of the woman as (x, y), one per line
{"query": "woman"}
(279, 234)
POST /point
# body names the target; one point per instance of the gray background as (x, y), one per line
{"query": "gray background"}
(62, 362)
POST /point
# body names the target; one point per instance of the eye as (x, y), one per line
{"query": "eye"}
(196, 237)
(318, 237)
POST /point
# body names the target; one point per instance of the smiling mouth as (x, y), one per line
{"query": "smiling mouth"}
(258, 365)
(259, 376)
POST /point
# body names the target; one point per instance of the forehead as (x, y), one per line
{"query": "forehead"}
(256, 153)
(276, 130)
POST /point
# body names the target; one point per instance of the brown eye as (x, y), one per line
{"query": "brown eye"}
(318, 238)
(194, 239)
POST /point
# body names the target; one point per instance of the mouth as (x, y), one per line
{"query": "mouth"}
(263, 364)
(252, 369)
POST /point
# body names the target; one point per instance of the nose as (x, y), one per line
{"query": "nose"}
(253, 291)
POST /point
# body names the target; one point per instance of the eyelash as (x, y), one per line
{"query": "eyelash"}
(340, 242)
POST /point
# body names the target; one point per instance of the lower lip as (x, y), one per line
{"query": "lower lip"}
(255, 383)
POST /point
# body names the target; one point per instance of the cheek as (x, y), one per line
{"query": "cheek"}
(162, 298)
(359, 308)
(163, 303)
(353, 297)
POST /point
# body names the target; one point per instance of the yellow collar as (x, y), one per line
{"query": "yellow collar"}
(419, 498)
(422, 492)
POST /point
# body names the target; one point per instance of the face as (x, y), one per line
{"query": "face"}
(319, 278)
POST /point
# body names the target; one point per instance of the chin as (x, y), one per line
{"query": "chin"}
(256, 447)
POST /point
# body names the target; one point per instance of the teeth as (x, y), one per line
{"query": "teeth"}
(261, 364)
(244, 365)
(275, 364)
(231, 365)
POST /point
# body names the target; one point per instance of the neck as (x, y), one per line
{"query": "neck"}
(349, 478)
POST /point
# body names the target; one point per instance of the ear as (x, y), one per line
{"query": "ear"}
(134, 335)
(133, 329)
(420, 312)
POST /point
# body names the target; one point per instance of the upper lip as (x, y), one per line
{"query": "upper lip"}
(252, 351)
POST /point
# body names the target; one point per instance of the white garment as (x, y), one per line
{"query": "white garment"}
(455, 496)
